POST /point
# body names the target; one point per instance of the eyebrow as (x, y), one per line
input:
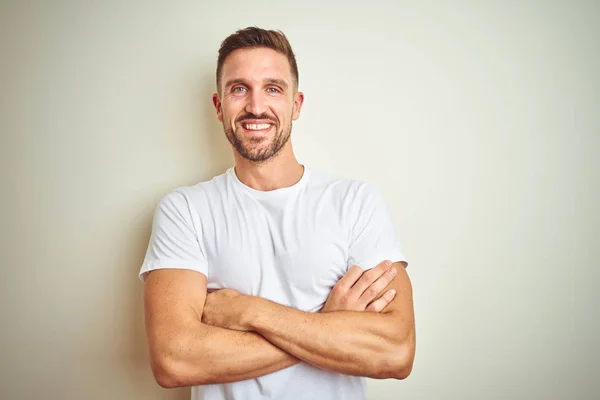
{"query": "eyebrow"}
(278, 82)
(232, 82)
(271, 81)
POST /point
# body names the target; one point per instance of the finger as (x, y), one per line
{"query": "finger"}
(379, 304)
(370, 276)
(376, 289)
(346, 281)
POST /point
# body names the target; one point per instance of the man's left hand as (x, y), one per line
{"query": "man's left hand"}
(224, 308)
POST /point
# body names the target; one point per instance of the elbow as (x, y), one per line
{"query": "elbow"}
(403, 370)
(170, 372)
(404, 360)
(166, 372)
(397, 363)
(165, 381)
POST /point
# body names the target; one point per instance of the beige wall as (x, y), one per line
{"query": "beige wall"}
(479, 122)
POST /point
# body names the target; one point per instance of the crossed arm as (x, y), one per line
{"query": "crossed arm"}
(227, 336)
(186, 352)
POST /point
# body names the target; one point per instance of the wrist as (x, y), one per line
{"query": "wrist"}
(248, 311)
(253, 312)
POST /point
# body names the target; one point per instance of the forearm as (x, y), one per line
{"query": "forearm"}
(214, 355)
(354, 343)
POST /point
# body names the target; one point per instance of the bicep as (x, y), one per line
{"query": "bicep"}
(401, 308)
(173, 302)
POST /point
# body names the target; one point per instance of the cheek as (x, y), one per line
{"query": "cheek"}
(284, 113)
(229, 113)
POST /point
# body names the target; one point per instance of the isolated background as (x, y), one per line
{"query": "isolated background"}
(479, 121)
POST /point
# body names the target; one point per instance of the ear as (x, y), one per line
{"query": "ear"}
(218, 106)
(298, 101)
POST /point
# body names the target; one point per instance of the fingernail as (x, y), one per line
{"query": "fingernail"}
(393, 271)
(392, 293)
(388, 263)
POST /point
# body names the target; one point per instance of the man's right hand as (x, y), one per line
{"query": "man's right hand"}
(360, 291)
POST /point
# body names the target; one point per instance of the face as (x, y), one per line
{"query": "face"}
(257, 102)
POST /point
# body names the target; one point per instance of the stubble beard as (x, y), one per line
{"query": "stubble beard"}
(260, 149)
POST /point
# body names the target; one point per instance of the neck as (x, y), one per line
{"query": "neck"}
(280, 171)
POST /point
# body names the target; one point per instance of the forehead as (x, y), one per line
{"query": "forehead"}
(256, 65)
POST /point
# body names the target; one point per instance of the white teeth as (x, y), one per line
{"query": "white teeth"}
(256, 127)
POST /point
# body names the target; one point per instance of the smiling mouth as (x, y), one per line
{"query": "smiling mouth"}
(256, 127)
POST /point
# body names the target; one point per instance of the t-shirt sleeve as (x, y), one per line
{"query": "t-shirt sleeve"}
(373, 237)
(174, 242)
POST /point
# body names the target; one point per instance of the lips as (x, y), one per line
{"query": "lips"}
(256, 127)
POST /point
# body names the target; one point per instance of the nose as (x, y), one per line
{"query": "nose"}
(256, 104)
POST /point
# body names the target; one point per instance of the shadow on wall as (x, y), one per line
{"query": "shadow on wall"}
(215, 157)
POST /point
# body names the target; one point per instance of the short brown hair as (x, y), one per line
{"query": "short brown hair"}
(254, 37)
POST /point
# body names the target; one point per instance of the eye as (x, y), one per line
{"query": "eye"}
(238, 89)
(273, 90)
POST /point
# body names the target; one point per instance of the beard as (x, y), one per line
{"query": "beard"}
(258, 149)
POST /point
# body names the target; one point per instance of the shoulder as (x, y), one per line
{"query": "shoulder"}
(353, 198)
(338, 183)
(347, 189)
(194, 197)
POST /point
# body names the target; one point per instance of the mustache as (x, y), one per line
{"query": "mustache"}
(262, 116)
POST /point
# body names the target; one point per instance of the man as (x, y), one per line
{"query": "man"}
(280, 249)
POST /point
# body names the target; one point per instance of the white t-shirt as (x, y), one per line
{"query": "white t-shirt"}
(289, 245)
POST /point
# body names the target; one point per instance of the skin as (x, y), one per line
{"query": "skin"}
(345, 340)
(225, 336)
(187, 347)
(258, 83)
